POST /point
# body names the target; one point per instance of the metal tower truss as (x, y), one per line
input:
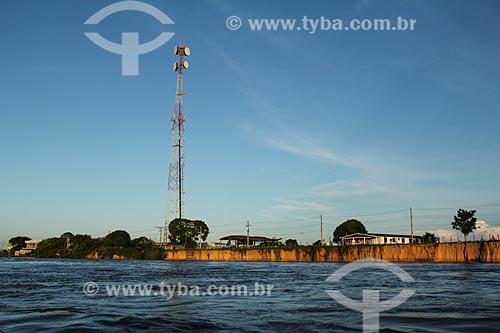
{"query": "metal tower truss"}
(175, 200)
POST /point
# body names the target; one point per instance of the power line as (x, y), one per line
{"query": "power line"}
(308, 228)
(448, 208)
(313, 219)
(297, 219)
(372, 214)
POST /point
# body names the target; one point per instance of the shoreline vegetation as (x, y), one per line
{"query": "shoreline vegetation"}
(146, 249)
(116, 245)
(185, 235)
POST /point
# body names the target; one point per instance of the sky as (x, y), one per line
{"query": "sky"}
(282, 126)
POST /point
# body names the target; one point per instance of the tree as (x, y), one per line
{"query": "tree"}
(429, 238)
(67, 234)
(82, 245)
(118, 238)
(142, 242)
(17, 243)
(83, 242)
(291, 243)
(187, 232)
(67, 237)
(348, 227)
(465, 222)
(50, 248)
(145, 248)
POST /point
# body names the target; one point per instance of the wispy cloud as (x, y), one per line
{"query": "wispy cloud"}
(342, 188)
(278, 135)
(361, 179)
(229, 60)
(288, 140)
(295, 206)
(302, 147)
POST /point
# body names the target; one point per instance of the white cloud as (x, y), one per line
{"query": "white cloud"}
(292, 141)
(306, 149)
(292, 205)
(342, 188)
(284, 138)
(447, 235)
(483, 231)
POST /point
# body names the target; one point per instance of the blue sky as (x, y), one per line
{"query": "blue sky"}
(282, 125)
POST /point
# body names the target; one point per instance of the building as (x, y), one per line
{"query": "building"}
(31, 245)
(241, 240)
(378, 239)
(214, 245)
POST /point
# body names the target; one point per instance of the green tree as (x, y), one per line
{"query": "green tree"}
(118, 238)
(465, 222)
(67, 237)
(67, 234)
(317, 243)
(17, 243)
(429, 238)
(82, 245)
(148, 249)
(187, 232)
(83, 242)
(50, 248)
(348, 227)
(143, 243)
(291, 243)
(116, 243)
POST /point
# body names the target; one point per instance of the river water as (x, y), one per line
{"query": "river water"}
(47, 295)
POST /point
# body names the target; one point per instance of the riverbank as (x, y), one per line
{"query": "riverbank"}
(445, 252)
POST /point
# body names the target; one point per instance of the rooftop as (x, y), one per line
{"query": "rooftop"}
(373, 235)
(244, 238)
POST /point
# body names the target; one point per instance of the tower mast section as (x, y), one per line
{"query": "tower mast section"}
(175, 201)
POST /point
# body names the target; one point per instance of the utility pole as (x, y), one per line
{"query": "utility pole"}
(411, 224)
(320, 229)
(248, 233)
(160, 229)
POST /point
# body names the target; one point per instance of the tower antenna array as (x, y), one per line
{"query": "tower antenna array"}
(175, 201)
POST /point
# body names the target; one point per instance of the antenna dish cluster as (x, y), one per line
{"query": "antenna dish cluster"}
(181, 51)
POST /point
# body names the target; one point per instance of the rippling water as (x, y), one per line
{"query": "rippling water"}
(38, 295)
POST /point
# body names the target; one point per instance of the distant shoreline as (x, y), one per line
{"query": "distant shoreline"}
(479, 251)
(487, 252)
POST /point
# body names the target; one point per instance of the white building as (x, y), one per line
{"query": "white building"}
(31, 245)
(378, 239)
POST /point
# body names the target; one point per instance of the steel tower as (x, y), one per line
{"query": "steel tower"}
(175, 201)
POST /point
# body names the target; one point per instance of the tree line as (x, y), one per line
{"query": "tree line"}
(188, 234)
(185, 233)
